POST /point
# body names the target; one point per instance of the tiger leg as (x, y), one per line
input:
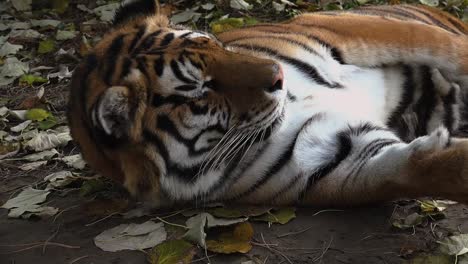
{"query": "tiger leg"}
(428, 166)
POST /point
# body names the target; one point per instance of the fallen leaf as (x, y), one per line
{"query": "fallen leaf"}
(431, 259)
(37, 114)
(198, 223)
(32, 101)
(8, 149)
(240, 5)
(454, 245)
(30, 79)
(45, 23)
(32, 165)
(48, 123)
(281, 216)
(208, 6)
(26, 34)
(48, 140)
(226, 24)
(9, 49)
(12, 69)
(18, 114)
(432, 3)
(21, 127)
(65, 35)
(61, 74)
(106, 12)
(410, 221)
(74, 161)
(434, 206)
(240, 211)
(46, 46)
(92, 186)
(233, 242)
(185, 16)
(131, 237)
(3, 111)
(172, 252)
(28, 201)
(44, 155)
(22, 5)
(59, 179)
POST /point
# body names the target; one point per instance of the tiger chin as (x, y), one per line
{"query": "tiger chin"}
(326, 109)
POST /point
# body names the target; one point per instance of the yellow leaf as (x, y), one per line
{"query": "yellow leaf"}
(232, 242)
(281, 216)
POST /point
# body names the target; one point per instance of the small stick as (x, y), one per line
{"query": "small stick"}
(169, 223)
(102, 219)
(78, 259)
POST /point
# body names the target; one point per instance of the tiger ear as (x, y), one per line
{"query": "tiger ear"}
(131, 9)
(111, 113)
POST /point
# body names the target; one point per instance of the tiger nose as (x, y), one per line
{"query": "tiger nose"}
(277, 83)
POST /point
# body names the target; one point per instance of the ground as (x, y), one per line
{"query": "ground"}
(388, 233)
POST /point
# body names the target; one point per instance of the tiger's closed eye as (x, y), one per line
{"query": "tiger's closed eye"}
(186, 88)
(210, 84)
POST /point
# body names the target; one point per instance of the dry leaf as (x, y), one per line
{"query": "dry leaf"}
(131, 237)
(233, 242)
(281, 216)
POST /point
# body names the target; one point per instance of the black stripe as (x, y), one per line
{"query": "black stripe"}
(450, 100)
(156, 140)
(434, 20)
(364, 128)
(126, 66)
(281, 161)
(111, 57)
(288, 40)
(344, 148)
(148, 42)
(142, 66)
(158, 66)
(90, 64)
(457, 23)
(167, 39)
(305, 68)
(426, 103)
(395, 120)
(396, 11)
(176, 100)
(178, 73)
(137, 38)
(335, 50)
(369, 151)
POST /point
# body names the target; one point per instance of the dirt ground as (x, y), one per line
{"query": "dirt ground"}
(316, 235)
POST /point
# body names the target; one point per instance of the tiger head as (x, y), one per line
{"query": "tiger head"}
(165, 110)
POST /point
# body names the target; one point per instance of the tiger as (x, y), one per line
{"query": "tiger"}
(332, 108)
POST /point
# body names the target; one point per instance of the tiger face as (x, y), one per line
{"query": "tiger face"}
(165, 110)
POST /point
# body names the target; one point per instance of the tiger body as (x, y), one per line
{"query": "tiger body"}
(326, 109)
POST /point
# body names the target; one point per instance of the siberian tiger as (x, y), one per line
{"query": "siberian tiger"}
(328, 108)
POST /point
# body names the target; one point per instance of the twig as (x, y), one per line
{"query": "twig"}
(294, 233)
(63, 211)
(324, 251)
(102, 219)
(200, 259)
(40, 244)
(169, 223)
(50, 238)
(328, 210)
(275, 251)
(77, 259)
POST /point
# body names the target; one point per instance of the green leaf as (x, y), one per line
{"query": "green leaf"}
(281, 216)
(172, 252)
(37, 114)
(92, 186)
(30, 79)
(431, 259)
(226, 24)
(46, 46)
(47, 123)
